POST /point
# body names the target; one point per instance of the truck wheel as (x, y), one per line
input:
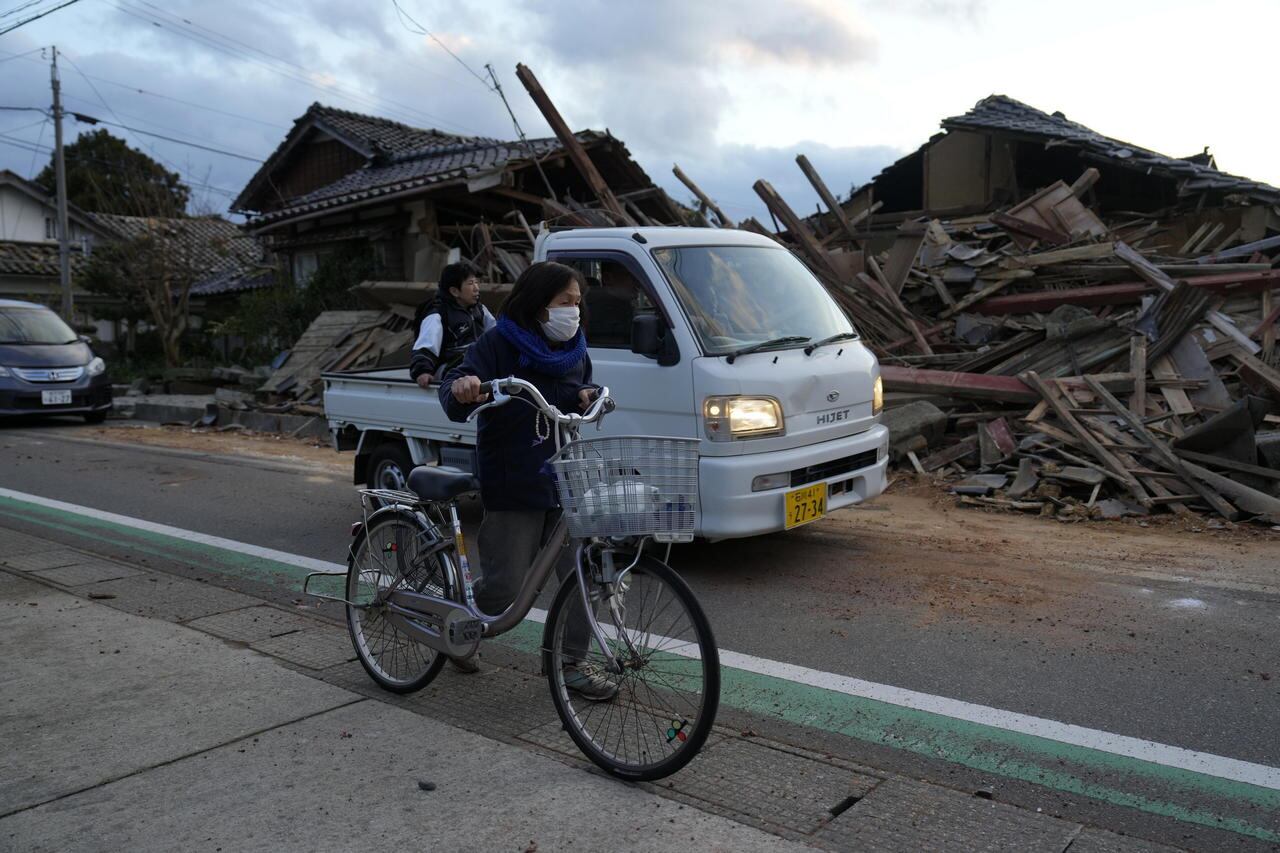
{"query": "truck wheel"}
(389, 467)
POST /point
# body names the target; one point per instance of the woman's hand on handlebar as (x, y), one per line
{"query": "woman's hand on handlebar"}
(469, 389)
(586, 397)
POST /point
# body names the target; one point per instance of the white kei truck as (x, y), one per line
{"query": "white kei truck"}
(714, 334)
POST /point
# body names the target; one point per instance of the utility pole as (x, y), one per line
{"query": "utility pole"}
(60, 171)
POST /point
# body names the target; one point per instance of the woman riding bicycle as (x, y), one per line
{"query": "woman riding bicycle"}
(537, 338)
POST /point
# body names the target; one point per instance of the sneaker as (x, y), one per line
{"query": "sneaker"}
(469, 665)
(589, 681)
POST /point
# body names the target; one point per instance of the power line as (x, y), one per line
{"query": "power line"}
(404, 16)
(16, 9)
(135, 89)
(87, 119)
(176, 27)
(38, 16)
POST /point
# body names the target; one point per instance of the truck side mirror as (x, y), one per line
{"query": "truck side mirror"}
(650, 337)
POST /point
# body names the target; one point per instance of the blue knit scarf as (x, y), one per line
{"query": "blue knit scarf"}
(536, 353)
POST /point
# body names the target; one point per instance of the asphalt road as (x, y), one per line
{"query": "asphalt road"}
(1172, 637)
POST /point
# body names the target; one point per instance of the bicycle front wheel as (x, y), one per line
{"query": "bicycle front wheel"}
(394, 551)
(652, 718)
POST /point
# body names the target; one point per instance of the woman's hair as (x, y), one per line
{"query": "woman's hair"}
(535, 289)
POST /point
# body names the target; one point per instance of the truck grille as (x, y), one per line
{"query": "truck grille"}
(824, 470)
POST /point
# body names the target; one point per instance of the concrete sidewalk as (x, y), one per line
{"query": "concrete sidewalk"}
(128, 733)
(145, 711)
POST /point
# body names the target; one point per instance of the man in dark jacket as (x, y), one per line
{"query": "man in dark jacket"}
(448, 325)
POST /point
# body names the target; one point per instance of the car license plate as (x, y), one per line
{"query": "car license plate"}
(55, 398)
(806, 505)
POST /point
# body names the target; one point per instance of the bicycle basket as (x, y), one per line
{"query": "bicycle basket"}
(629, 486)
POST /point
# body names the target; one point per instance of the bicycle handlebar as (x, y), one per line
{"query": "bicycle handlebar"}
(502, 391)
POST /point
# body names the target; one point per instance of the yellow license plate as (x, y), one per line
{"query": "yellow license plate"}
(806, 505)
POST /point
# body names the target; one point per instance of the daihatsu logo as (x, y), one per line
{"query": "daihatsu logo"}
(833, 396)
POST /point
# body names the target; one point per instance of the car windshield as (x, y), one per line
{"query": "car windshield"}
(33, 326)
(739, 296)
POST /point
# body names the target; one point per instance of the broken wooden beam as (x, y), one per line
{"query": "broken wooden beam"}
(572, 146)
(795, 226)
(1052, 394)
(1161, 450)
(725, 222)
(828, 198)
(1150, 272)
(1123, 293)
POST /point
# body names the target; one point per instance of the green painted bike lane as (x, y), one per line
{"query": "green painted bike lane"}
(1184, 795)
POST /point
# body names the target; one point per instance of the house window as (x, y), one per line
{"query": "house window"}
(50, 228)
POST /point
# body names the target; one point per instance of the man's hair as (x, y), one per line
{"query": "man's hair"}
(535, 289)
(454, 275)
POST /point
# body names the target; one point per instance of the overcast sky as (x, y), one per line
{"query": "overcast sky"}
(731, 91)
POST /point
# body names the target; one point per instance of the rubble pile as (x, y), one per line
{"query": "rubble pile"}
(1040, 360)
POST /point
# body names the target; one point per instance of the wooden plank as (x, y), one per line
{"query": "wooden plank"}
(1162, 451)
(797, 228)
(971, 386)
(1266, 331)
(828, 198)
(1029, 229)
(902, 255)
(1163, 371)
(1052, 395)
(1087, 252)
(1138, 367)
(1087, 179)
(725, 222)
(572, 146)
(1228, 464)
(1125, 292)
(975, 298)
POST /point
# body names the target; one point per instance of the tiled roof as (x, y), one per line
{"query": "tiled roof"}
(372, 136)
(35, 259)
(234, 281)
(379, 134)
(213, 244)
(431, 165)
(1002, 113)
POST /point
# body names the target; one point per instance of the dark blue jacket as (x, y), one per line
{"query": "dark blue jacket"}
(511, 456)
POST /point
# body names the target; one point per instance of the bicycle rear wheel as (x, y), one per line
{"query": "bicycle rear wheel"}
(393, 550)
(669, 689)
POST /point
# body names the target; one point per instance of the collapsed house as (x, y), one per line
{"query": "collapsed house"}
(419, 197)
(1066, 324)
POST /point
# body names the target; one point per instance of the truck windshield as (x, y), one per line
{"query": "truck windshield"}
(737, 296)
(33, 326)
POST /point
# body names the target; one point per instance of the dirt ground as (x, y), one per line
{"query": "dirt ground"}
(917, 523)
(258, 445)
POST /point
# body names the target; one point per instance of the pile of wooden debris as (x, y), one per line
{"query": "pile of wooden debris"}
(1039, 359)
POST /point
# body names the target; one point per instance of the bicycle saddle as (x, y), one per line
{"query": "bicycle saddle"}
(431, 483)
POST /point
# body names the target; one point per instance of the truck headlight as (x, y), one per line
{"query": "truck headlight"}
(729, 418)
(877, 396)
(95, 367)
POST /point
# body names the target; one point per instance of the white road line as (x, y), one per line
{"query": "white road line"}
(1122, 745)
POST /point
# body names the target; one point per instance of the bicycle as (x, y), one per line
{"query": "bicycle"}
(410, 603)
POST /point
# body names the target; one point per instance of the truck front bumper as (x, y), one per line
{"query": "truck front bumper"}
(854, 469)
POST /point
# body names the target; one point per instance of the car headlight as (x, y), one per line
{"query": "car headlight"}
(96, 367)
(729, 418)
(877, 396)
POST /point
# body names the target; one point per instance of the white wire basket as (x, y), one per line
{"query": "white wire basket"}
(629, 486)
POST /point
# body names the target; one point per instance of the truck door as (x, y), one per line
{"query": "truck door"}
(653, 399)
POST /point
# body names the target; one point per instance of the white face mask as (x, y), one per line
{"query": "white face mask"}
(561, 323)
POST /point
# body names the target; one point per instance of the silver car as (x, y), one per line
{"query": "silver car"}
(46, 369)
